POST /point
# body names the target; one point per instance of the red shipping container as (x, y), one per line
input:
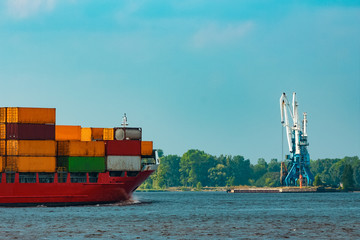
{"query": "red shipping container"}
(123, 147)
(29, 131)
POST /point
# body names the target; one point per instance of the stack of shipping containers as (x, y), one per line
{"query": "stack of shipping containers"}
(27, 142)
(125, 151)
(77, 156)
(123, 147)
(31, 143)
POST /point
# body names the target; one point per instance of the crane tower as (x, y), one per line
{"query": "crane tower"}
(297, 171)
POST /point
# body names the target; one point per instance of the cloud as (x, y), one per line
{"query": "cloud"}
(129, 9)
(214, 34)
(21, 9)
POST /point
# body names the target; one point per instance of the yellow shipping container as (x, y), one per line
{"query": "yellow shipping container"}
(31, 148)
(78, 148)
(2, 147)
(108, 134)
(30, 115)
(67, 133)
(32, 164)
(97, 133)
(2, 163)
(2, 131)
(85, 134)
(2, 115)
(146, 148)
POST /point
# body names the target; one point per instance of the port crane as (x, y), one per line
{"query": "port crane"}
(297, 172)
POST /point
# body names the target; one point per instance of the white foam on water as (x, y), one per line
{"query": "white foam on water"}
(123, 203)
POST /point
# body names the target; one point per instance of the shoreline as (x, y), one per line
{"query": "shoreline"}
(250, 189)
(186, 189)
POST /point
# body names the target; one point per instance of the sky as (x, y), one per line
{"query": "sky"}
(194, 74)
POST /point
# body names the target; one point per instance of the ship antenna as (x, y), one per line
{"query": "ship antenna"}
(124, 123)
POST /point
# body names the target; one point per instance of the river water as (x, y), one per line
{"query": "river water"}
(193, 215)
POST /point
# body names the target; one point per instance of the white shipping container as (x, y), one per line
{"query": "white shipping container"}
(131, 133)
(123, 163)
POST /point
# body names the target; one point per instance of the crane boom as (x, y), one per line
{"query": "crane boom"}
(284, 106)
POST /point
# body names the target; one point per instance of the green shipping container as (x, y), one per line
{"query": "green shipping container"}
(82, 164)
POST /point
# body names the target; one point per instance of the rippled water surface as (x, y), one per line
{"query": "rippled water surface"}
(193, 215)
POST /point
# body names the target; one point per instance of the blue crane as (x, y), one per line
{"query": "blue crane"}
(297, 172)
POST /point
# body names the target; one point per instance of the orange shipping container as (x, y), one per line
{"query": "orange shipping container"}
(66, 132)
(32, 164)
(31, 148)
(97, 133)
(2, 147)
(78, 148)
(2, 131)
(108, 134)
(85, 134)
(30, 115)
(146, 148)
(2, 163)
(2, 115)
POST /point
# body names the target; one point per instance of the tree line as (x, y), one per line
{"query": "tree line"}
(196, 168)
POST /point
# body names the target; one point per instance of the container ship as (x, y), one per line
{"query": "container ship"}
(42, 163)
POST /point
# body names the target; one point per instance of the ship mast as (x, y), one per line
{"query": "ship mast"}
(124, 123)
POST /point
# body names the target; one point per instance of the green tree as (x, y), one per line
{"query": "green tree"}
(274, 165)
(347, 178)
(357, 175)
(240, 170)
(168, 174)
(259, 169)
(269, 179)
(337, 168)
(230, 181)
(160, 153)
(322, 167)
(197, 167)
(217, 175)
(194, 167)
(317, 180)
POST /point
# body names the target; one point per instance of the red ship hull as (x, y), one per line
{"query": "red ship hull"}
(107, 189)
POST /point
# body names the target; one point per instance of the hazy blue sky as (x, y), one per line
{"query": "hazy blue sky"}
(201, 74)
